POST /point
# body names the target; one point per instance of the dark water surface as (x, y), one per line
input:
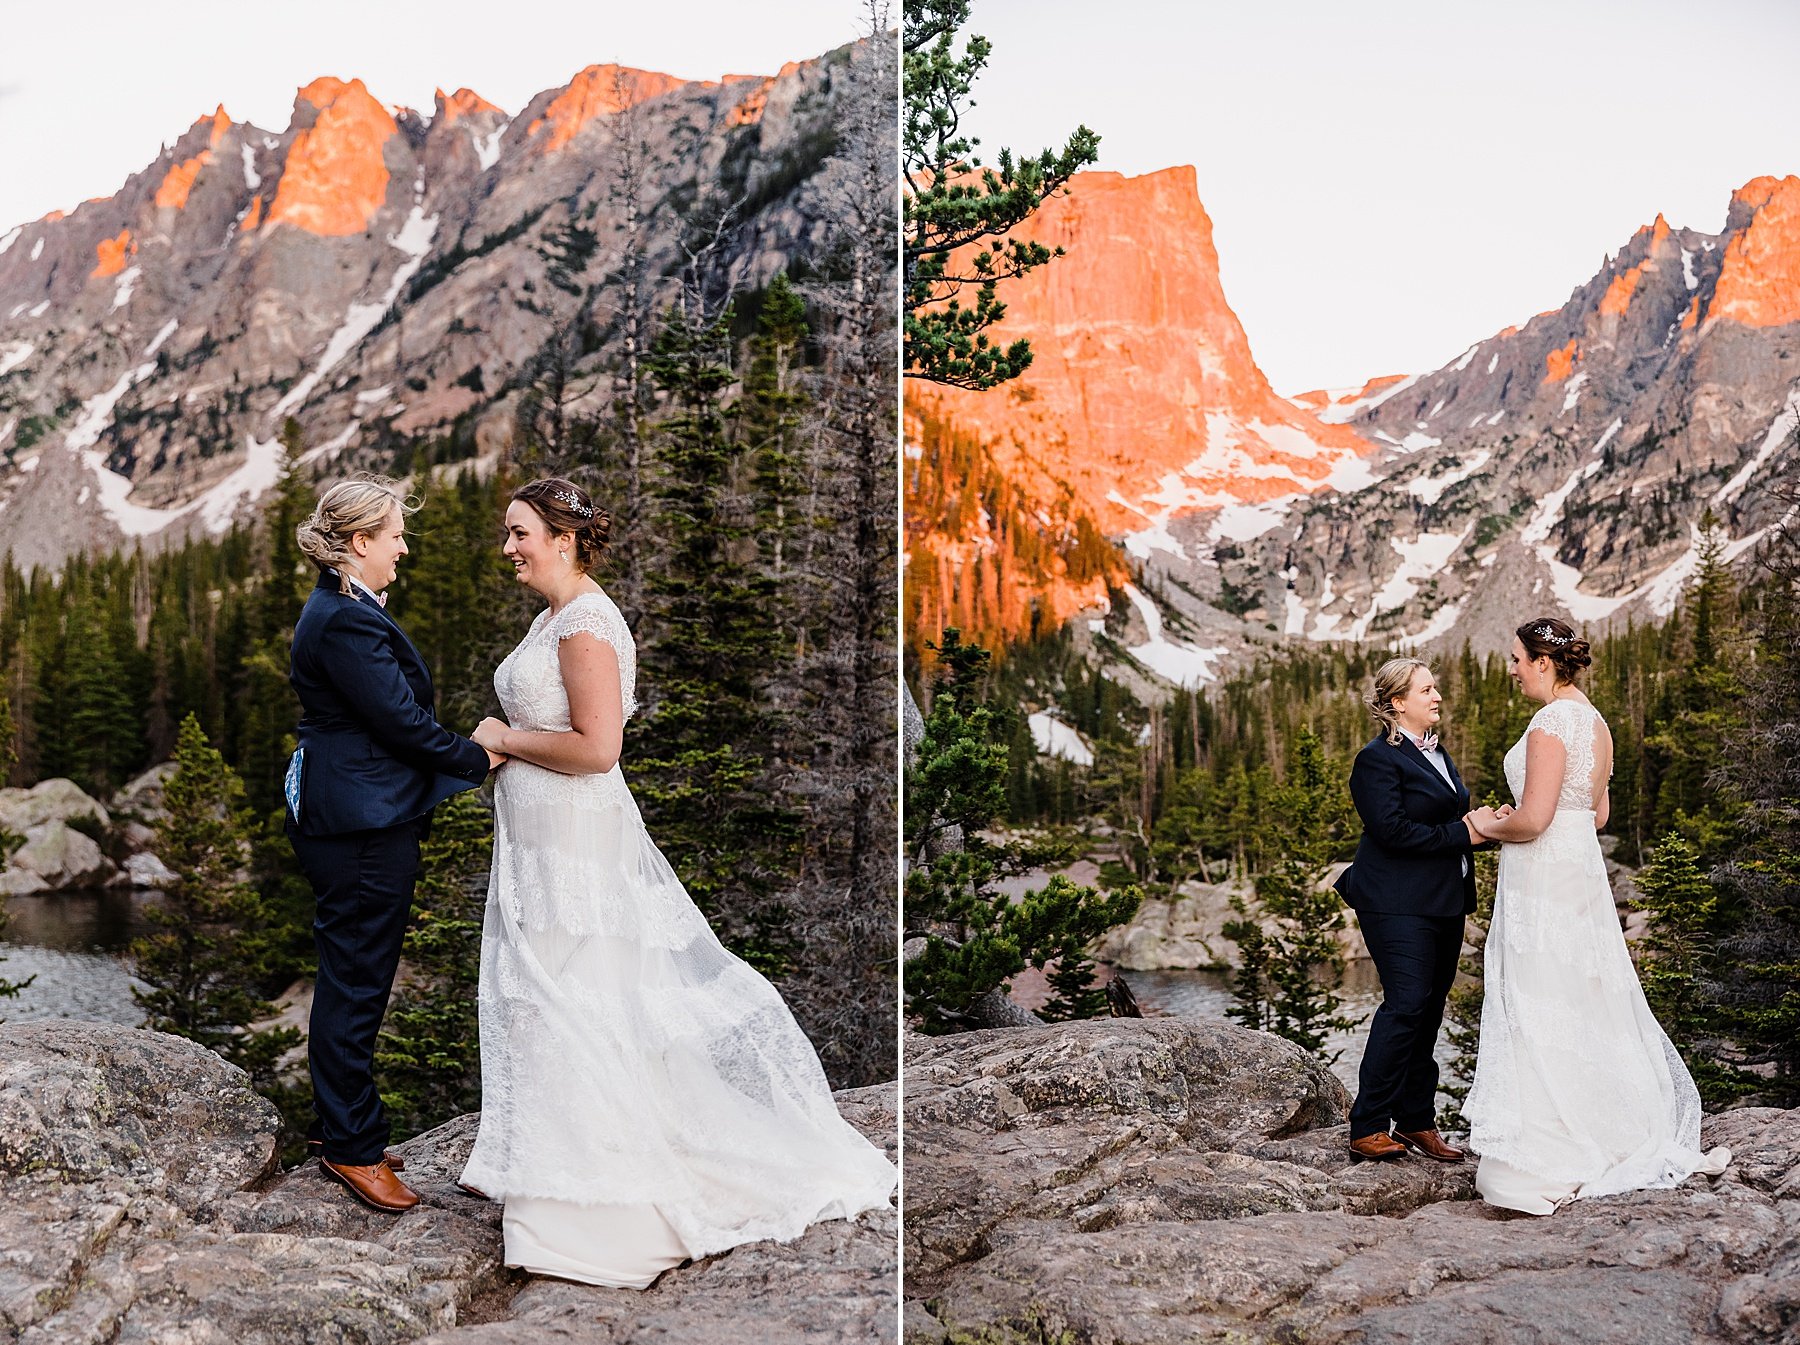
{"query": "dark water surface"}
(72, 942)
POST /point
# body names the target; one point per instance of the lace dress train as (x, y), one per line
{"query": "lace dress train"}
(1578, 1091)
(646, 1095)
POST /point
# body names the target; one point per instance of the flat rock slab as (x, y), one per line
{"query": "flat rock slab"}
(1136, 1182)
(140, 1202)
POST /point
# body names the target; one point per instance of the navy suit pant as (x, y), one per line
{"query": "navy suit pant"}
(363, 882)
(1416, 957)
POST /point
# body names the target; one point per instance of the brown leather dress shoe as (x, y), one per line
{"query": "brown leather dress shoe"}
(375, 1185)
(1431, 1144)
(317, 1149)
(1376, 1146)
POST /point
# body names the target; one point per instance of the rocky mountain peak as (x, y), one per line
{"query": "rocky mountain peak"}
(597, 91)
(1759, 281)
(335, 177)
(1196, 425)
(463, 103)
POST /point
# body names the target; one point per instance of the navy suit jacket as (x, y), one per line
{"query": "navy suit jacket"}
(1409, 861)
(374, 755)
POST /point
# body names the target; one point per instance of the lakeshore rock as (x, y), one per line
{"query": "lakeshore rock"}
(53, 800)
(61, 858)
(142, 1202)
(1147, 1181)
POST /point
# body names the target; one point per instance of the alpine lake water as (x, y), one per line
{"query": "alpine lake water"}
(72, 946)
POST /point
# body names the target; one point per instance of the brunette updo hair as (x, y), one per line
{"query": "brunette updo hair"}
(361, 504)
(1547, 637)
(566, 507)
(1393, 678)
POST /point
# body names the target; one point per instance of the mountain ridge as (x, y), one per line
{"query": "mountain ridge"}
(380, 274)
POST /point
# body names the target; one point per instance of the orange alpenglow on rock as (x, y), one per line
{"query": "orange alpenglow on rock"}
(750, 110)
(53, 216)
(462, 103)
(1143, 395)
(1759, 278)
(112, 253)
(334, 180)
(254, 218)
(1560, 363)
(598, 91)
(1618, 294)
(220, 124)
(179, 180)
(1692, 316)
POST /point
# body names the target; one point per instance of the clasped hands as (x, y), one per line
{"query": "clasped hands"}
(1480, 820)
(487, 736)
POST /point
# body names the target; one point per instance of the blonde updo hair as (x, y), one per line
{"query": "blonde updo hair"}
(566, 507)
(361, 504)
(1392, 679)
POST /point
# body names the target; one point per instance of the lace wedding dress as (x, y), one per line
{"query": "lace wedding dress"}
(1578, 1091)
(646, 1096)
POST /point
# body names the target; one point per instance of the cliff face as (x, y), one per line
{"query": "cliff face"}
(376, 272)
(1143, 403)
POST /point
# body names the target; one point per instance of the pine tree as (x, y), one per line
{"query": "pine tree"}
(769, 417)
(975, 938)
(1757, 986)
(1701, 715)
(430, 1050)
(959, 215)
(1292, 962)
(700, 764)
(205, 963)
(101, 739)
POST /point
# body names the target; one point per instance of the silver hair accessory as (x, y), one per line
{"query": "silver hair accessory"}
(1546, 634)
(573, 500)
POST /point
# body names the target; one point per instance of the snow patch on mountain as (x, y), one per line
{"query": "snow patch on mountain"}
(1785, 421)
(487, 147)
(1054, 738)
(13, 355)
(1186, 665)
(1431, 489)
(414, 239)
(260, 471)
(1339, 413)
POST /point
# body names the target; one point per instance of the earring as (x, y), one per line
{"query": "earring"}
(564, 555)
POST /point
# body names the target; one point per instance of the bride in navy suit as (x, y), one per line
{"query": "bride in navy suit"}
(1411, 885)
(372, 763)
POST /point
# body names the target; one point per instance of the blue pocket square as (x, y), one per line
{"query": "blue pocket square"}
(291, 787)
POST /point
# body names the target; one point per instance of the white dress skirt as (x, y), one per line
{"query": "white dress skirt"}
(1578, 1091)
(646, 1096)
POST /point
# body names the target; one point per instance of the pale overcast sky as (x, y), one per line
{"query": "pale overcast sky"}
(1391, 182)
(89, 92)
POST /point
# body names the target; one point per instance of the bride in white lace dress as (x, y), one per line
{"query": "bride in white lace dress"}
(1577, 1092)
(646, 1096)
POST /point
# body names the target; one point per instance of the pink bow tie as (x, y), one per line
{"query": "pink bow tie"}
(381, 601)
(1428, 743)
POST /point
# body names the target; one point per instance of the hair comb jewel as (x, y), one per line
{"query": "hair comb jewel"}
(573, 500)
(1545, 633)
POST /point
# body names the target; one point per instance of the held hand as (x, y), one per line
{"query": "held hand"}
(1505, 810)
(1475, 836)
(488, 734)
(1484, 819)
(495, 760)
